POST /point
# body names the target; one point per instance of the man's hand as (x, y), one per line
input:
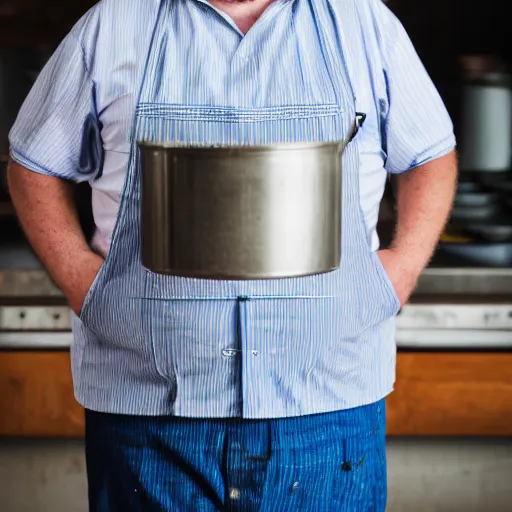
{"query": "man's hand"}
(402, 277)
(76, 290)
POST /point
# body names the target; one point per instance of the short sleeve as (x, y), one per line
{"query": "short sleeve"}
(57, 131)
(417, 127)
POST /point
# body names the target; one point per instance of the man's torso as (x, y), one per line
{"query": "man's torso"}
(213, 64)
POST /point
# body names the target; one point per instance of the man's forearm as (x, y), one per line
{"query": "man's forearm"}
(48, 215)
(424, 199)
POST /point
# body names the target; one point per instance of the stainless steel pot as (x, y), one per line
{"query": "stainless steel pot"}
(241, 212)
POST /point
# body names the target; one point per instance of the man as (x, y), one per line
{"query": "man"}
(228, 395)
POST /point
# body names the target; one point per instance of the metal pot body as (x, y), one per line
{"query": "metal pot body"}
(241, 212)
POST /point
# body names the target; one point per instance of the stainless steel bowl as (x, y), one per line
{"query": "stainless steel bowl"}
(477, 199)
(466, 186)
(241, 212)
(495, 232)
(475, 213)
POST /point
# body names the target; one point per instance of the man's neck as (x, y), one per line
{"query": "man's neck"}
(244, 13)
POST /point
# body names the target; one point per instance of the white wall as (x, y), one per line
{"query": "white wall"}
(424, 476)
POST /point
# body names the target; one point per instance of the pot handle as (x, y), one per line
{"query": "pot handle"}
(358, 124)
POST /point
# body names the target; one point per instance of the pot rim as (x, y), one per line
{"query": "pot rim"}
(207, 148)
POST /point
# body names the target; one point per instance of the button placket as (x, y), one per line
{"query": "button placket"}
(254, 361)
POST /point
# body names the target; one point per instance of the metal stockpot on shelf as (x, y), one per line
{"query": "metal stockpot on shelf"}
(245, 212)
(486, 114)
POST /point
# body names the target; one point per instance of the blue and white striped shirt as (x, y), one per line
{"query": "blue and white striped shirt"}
(407, 123)
(77, 124)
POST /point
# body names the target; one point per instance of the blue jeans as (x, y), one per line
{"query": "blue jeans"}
(332, 462)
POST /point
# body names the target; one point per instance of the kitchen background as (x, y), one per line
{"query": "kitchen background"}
(450, 418)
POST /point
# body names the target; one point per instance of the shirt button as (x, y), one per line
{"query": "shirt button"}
(229, 352)
(234, 494)
(254, 352)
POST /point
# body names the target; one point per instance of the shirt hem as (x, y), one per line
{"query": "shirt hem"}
(21, 159)
(166, 410)
(445, 150)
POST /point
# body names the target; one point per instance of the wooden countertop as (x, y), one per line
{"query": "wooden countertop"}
(437, 394)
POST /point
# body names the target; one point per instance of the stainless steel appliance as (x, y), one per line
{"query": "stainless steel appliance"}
(241, 212)
(458, 308)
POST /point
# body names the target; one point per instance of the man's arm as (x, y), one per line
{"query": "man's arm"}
(48, 151)
(48, 215)
(416, 129)
(424, 198)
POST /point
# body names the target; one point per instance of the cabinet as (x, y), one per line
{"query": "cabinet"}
(36, 395)
(437, 394)
(452, 394)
